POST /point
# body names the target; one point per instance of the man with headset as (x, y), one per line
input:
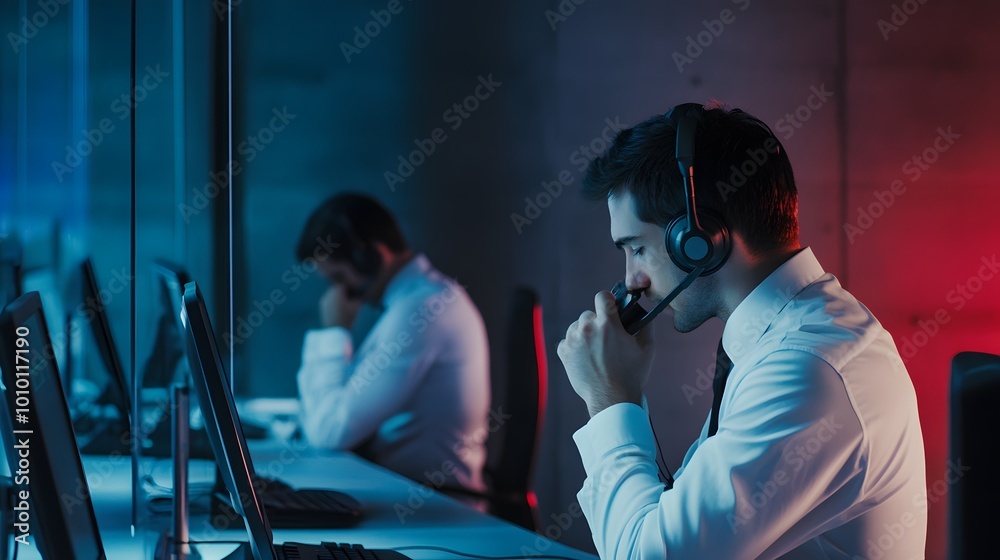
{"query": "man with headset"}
(813, 447)
(399, 371)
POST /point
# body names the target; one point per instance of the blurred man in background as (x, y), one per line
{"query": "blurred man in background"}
(399, 370)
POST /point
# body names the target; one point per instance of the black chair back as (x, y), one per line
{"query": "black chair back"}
(523, 409)
(973, 452)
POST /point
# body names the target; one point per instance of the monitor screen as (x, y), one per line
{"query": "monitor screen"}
(166, 364)
(225, 433)
(97, 317)
(54, 470)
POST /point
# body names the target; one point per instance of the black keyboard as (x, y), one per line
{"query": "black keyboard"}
(310, 500)
(333, 551)
(287, 508)
(263, 484)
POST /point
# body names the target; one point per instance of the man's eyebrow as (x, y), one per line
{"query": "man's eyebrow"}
(627, 240)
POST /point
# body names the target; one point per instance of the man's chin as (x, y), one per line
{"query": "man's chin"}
(684, 324)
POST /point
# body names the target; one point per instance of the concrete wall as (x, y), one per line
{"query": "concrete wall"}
(887, 91)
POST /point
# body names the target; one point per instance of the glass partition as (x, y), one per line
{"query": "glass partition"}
(109, 138)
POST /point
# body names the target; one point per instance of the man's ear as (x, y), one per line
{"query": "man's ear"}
(384, 254)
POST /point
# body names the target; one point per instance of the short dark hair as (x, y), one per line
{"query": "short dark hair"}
(345, 220)
(741, 172)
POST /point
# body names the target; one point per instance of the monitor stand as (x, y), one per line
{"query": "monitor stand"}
(176, 543)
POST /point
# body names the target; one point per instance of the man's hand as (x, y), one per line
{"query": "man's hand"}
(605, 364)
(336, 309)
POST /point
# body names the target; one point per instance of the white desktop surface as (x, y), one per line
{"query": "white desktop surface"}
(437, 520)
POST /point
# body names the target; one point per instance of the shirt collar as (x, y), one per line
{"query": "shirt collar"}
(418, 266)
(752, 317)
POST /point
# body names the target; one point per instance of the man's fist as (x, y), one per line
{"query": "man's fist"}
(605, 364)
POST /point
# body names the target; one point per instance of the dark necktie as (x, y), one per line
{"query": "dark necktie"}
(722, 366)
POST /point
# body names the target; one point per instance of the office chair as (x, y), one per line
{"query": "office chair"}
(512, 456)
(973, 512)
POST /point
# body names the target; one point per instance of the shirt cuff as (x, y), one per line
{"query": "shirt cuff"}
(613, 427)
(326, 344)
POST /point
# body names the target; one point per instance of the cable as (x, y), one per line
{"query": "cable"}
(469, 555)
(668, 477)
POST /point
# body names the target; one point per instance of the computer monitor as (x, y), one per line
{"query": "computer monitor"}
(116, 391)
(165, 364)
(31, 385)
(225, 433)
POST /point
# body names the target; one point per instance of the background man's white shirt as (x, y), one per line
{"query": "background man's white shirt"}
(414, 397)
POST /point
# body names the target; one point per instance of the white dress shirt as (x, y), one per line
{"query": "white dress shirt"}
(818, 453)
(415, 395)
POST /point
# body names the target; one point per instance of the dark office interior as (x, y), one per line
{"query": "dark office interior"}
(204, 133)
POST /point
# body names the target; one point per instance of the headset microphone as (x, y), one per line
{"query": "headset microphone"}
(697, 241)
(637, 317)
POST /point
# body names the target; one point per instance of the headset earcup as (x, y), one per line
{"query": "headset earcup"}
(672, 236)
(716, 241)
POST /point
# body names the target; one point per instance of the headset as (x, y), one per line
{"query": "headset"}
(697, 238)
(697, 241)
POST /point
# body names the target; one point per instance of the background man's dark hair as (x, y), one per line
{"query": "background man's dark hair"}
(334, 219)
(741, 171)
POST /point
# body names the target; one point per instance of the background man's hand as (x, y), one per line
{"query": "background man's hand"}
(336, 309)
(605, 364)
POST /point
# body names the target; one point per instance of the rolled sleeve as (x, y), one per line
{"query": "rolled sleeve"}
(346, 395)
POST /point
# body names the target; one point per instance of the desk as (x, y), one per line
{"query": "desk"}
(423, 517)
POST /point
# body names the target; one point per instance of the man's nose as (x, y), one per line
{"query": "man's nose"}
(636, 279)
